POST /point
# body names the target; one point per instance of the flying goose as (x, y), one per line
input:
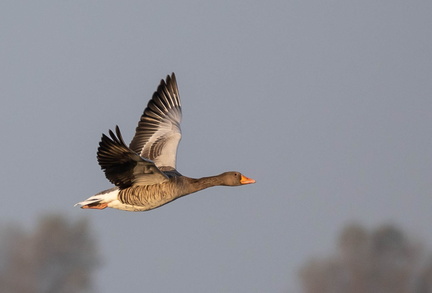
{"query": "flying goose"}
(145, 174)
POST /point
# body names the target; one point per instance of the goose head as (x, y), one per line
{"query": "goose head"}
(234, 178)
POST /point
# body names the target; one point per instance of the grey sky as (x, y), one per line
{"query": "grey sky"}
(327, 104)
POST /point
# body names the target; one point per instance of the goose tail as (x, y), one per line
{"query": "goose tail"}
(100, 200)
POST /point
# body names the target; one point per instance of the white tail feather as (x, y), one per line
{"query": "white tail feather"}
(105, 196)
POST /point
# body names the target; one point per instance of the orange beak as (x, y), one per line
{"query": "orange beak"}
(245, 180)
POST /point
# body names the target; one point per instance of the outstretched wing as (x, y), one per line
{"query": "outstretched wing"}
(122, 166)
(158, 132)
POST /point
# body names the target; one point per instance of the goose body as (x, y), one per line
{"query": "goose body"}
(144, 173)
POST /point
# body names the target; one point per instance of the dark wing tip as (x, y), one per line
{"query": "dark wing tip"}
(168, 91)
(116, 159)
(116, 138)
(164, 105)
(171, 79)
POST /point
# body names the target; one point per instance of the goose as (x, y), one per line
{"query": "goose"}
(144, 173)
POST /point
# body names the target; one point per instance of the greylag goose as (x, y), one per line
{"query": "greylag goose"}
(145, 174)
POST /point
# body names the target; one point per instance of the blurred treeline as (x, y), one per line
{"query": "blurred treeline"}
(55, 256)
(384, 260)
(60, 256)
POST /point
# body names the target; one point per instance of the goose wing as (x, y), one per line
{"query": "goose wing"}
(122, 166)
(158, 132)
